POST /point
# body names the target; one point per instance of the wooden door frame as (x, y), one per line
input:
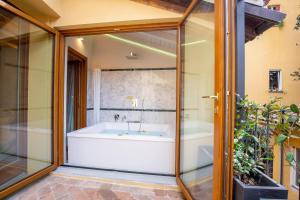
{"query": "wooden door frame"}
(83, 86)
(54, 164)
(219, 119)
(231, 96)
(171, 25)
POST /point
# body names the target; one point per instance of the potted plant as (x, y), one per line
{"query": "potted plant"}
(256, 125)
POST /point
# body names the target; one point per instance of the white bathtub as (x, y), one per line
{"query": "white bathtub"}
(106, 145)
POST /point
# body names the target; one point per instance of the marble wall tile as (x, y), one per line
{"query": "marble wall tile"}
(157, 88)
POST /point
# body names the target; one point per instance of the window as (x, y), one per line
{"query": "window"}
(275, 81)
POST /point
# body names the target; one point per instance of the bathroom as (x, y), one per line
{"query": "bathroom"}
(120, 102)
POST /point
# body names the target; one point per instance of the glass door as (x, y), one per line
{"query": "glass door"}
(201, 102)
(26, 99)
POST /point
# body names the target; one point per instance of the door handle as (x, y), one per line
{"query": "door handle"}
(211, 97)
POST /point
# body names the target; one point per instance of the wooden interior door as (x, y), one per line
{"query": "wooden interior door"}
(202, 105)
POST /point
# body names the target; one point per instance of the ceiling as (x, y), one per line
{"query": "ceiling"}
(164, 40)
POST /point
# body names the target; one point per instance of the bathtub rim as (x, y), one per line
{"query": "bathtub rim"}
(120, 137)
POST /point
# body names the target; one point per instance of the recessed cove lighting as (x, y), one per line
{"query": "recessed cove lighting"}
(193, 43)
(157, 50)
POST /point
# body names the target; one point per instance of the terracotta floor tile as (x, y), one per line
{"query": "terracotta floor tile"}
(55, 187)
(160, 193)
(44, 191)
(107, 194)
(174, 194)
(28, 197)
(92, 193)
(124, 195)
(92, 184)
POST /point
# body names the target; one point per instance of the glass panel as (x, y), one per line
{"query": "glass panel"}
(26, 98)
(197, 117)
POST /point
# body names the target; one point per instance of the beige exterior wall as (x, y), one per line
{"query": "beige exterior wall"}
(277, 48)
(287, 172)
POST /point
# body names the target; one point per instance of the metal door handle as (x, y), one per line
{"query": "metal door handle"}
(210, 97)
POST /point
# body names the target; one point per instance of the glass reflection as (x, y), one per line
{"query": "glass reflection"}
(197, 123)
(26, 99)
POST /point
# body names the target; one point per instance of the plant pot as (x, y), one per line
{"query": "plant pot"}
(267, 189)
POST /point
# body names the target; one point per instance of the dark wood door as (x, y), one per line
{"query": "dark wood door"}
(76, 90)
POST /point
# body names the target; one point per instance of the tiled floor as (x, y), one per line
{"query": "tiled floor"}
(66, 186)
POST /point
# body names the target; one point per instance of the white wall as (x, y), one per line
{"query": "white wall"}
(110, 53)
(78, 12)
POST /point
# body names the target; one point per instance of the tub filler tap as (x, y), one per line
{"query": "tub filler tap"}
(133, 122)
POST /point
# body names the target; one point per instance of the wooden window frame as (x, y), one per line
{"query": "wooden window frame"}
(171, 25)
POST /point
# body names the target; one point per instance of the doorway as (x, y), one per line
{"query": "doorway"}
(131, 102)
(76, 90)
(77, 106)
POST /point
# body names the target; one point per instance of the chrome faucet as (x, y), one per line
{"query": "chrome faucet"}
(116, 117)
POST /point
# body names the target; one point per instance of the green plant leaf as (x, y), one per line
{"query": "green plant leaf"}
(255, 138)
(281, 138)
(294, 108)
(251, 149)
(290, 158)
(292, 119)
